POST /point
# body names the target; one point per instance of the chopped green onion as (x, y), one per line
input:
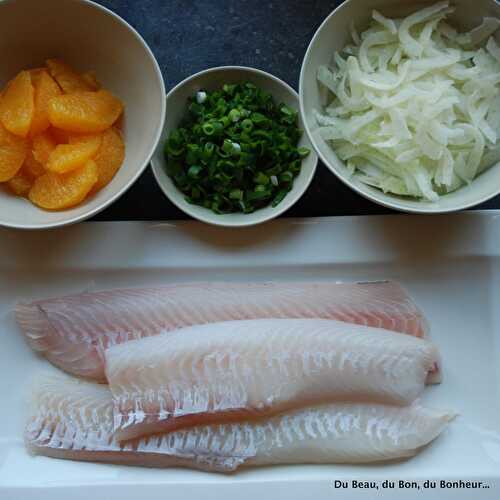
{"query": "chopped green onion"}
(227, 147)
(279, 197)
(286, 177)
(287, 111)
(208, 128)
(201, 97)
(236, 194)
(208, 150)
(261, 178)
(194, 171)
(234, 115)
(192, 153)
(229, 89)
(258, 118)
(247, 125)
(303, 152)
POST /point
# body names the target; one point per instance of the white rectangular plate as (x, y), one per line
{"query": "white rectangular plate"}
(449, 264)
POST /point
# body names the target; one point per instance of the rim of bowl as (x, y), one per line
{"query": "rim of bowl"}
(208, 219)
(374, 198)
(147, 159)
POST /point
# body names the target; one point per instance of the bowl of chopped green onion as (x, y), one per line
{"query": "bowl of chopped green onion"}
(233, 152)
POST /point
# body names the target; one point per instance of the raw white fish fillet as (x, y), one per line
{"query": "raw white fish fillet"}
(241, 369)
(72, 332)
(74, 420)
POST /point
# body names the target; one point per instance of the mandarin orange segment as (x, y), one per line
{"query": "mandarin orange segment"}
(35, 74)
(119, 124)
(43, 145)
(85, 112)
(13, 151)
(91, 79)
(60, 136)
(73, 138)
(32, 167)
(69, 80)
(20, 184)
(109, 157)
(58, 191)
(45, 89)
(17, 105)
(67, 157)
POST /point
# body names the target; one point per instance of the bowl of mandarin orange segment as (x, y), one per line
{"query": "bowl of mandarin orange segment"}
(82, 106)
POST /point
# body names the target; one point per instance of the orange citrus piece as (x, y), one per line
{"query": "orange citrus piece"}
(43, 145)
(72, 138)
(91, 79)
(110, 157)
(20, 184)
(13, 151)
(67, 157)
(17, 105)
(32, 167)
(69, 80)
(58, 191)
(35, 73)
(85, 112)
(45, 89)
(60, 136)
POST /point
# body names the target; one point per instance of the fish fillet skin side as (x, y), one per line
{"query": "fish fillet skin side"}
(72, 332)
(242, 369)
(73, 420)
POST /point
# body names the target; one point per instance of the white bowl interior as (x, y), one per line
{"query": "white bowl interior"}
(332, 36)
(87, 37)
(176, 109)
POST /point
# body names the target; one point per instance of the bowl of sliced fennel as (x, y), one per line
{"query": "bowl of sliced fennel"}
(401, 100)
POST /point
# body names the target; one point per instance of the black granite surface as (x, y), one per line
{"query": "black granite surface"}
(188, 36)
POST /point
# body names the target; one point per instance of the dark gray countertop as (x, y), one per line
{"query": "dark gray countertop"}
(188, 36)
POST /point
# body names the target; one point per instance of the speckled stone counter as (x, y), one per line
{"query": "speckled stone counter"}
(188, 36)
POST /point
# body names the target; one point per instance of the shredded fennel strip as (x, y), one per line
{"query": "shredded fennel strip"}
(416, 105)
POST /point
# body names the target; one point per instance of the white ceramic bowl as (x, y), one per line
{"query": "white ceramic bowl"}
(88, 37)
(332, 36)
(213, 79)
